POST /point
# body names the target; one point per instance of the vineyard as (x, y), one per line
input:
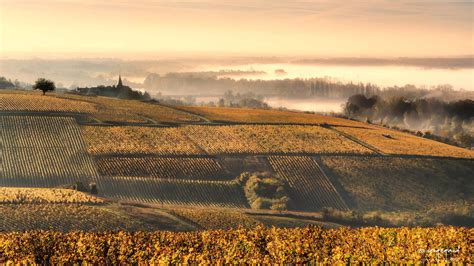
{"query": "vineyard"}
(144, 140)
(242, 139)
(395, 142)
(310, 188)
(166, 168)
(372, 245)
(231, 219)
(39, 151)
(131, 111)
(244, 115)
(65, 217)
(34, 102)
(201, 193)
(45, 195)
(257, 139)
(217, 219)
(390, 183)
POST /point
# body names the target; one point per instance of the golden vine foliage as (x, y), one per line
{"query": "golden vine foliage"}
(65, 217)
(243, 139)
(45, 195)
(39, 103)
(120, 110)
(259, 245)
(102, 108)
(246, 115)
(217, 219)
(395, 142)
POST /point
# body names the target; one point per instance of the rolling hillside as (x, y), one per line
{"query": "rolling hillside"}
(148, 153)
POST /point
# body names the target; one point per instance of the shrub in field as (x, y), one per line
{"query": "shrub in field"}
(264, 191)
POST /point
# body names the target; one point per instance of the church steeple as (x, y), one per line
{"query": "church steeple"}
(119, 85)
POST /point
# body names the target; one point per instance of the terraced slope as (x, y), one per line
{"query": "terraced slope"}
(42, 151)
(166, 168)
(176, 192)
(310, 188)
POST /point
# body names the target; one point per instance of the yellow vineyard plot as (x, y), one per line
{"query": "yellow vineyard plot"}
(38, 103)
(102, 108)
(237, 139)
(145, 140)
(118, 110)
(66, 217)
(246, 115)
(217, 219)
(395, 142)
(45, 195)
(308, 245)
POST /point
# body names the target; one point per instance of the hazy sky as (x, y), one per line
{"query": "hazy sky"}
(266, 27)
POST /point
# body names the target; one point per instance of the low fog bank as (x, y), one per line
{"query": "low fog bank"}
(451, 122)
(317, 105)
(94, 71)
(434, 62)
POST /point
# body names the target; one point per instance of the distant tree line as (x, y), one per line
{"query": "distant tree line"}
(229, 99)
(451, 122)
(6, 84)
(205, 84)
(191, 83)
(246, 100)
